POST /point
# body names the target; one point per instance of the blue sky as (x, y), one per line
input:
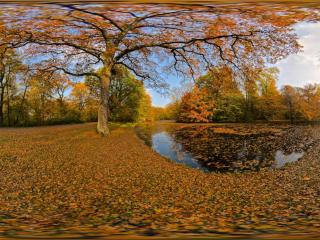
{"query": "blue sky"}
(159, 99)
(297, 70)
(304, 67)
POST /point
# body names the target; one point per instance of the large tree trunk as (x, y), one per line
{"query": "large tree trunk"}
(8, 106)
(21, 112)
(1, 106)
(2, 86)
(103, 111)
(2, 89)
(291, 113)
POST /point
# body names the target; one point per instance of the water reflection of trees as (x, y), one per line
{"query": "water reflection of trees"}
(224, 151)
(145, 132)
(235, 147)
(75, 39)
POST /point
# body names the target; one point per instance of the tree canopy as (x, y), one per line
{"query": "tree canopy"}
(150, 39)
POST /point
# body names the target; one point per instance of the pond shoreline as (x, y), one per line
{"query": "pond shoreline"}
(72, 186)
(229, 147)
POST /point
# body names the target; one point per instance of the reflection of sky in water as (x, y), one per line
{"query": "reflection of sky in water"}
(164, 144)
(281, 159)
(296, 69)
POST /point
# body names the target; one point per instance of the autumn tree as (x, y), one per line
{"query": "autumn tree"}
(126, 95)
(84, 103)
(13, 69)
(160, 113)
(60, 84)
(310, 102)
(185, 39)
(128, 100)
(145, 108)
(218, 81)
(196, 106)
(291, 100)
(40, 97)
(269, 102)
(221, 84)
(10, 40)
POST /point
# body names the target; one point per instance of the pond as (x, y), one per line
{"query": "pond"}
(228, 147)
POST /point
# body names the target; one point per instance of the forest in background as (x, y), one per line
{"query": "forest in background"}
(30, 98)
(219, 96)
(66, 63)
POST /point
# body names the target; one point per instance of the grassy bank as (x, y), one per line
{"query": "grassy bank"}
(67, 179)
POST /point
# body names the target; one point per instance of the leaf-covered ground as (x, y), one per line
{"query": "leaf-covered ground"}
(68, 180)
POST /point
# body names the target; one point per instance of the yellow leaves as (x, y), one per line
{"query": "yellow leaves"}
(81, 87)
(196, 106)
(223, 25)
(224, 130)
(66, 179)
(80, 90)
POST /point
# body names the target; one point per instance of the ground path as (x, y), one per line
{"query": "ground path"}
(68, 179)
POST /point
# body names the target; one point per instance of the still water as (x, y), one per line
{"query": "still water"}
(224, 148)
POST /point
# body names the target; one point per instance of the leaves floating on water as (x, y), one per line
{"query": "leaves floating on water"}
(230, 147)
(68, 180)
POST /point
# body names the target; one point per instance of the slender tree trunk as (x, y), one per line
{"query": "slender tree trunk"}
(8, 106)
(2, 89)
(102, 126)
(62, 111)
(291, 114)
(247, 108)
(21, 113)
(1, 106)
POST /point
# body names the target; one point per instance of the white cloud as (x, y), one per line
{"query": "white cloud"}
(296, 70)
(304, 67)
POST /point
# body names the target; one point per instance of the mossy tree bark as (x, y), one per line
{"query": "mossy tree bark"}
(103, 111)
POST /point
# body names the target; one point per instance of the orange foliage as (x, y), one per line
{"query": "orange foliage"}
(196, 106)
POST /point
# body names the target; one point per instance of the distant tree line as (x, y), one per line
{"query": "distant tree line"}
(32, 97)
(219, 96)
(150, 40)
